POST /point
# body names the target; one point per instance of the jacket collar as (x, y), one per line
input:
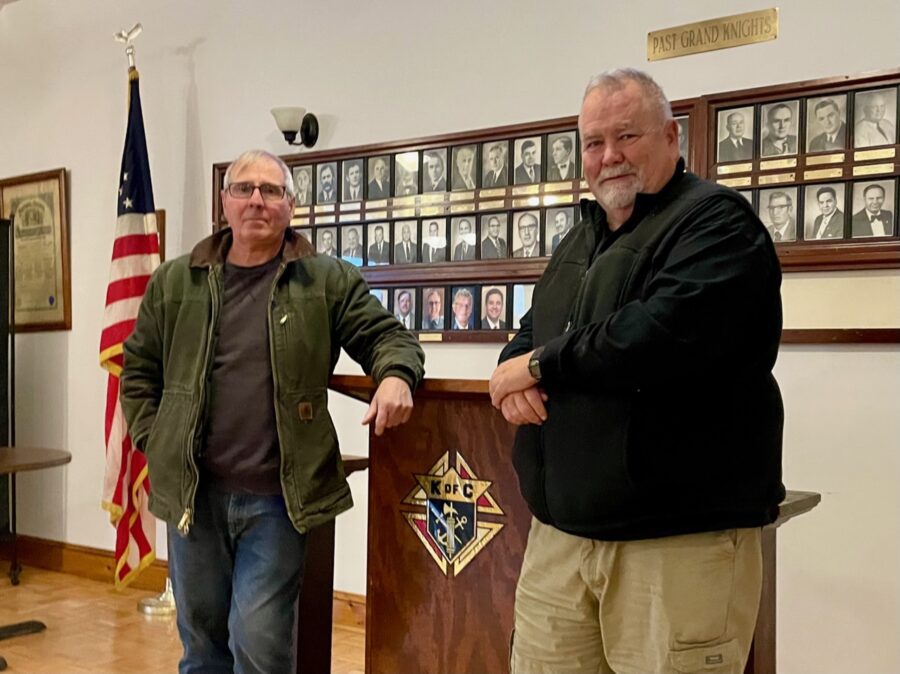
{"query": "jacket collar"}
(213, 249)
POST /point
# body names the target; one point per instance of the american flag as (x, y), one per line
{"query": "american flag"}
(126, 486)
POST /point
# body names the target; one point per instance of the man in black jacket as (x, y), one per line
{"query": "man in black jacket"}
(650, 426)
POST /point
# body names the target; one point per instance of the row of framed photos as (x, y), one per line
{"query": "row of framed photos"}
(831, 211)
(858, 120)
(487, 236)
(490, 307)
(552, 157)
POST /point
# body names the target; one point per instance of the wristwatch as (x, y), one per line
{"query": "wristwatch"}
(534, 363)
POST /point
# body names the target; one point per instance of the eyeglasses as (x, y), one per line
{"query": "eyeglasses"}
(267, 191)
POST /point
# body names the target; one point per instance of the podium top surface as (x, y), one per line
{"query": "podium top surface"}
(20, 459)
(362, 388)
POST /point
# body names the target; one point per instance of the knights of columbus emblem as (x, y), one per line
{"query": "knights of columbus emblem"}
(453, 498)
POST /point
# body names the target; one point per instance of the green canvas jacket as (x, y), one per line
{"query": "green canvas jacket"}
(318, 305)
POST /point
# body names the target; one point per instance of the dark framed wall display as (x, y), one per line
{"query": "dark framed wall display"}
(447, 219)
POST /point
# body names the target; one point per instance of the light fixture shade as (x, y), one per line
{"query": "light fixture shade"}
(289, 118)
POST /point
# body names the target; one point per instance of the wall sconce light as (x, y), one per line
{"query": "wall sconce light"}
(294, 121)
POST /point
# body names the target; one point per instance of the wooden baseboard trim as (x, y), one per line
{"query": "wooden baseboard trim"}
(96, 564)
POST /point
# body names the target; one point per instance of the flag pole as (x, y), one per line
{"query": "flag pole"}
(163, 604)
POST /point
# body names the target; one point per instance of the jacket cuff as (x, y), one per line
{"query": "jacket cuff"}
(402, 373)
(551, 363)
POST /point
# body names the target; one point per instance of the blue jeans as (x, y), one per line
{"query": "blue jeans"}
(236, 577)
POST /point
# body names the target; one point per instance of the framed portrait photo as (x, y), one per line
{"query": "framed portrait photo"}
(734, 134)
(352, 244)
(526, 234)
(521, 302)
(558, 223)
(875, 113)
(463, 307)
(494, 164)
(778, 211)
(352, 170)
(823, 212)
(433, 306)
(326, 241)
(326, 183)
(434, 240)
(303, 185)
(562, 160)
(684, 137)
(381, 294)
(779, 122)
(464, 168)
(494, 236)
(527, 159)
(826, 123)
(406, 242)
(434, 171)
(873, 209)
(305, 232)
(379, 177)
(406, 174)
(463, 238)
(405, 307)
(379, 237)
(493, 308)
(37, 206)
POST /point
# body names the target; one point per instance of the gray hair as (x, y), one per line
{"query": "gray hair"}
(253, 156)
(654, 98)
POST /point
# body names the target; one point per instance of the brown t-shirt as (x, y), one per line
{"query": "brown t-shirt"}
(241, 453)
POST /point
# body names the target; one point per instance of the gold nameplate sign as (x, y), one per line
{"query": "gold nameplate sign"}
(354, 206)
(778, 164)
(734, 168)
(492, 204)
(462, 196)
(376, 215)
(325, 220)
(872, 169)
(778, 178)
(722, 33)
(431, 199)
(836, 158)
(404, 212)
(431, 337)
(381, 203)
(510, 336)
(583, 184)
(526, 189)
(823, 173)
(297, 222)
(350, 217)
(525, 203)
(462, 208)
(404, 201)
(557, 187)
(551, 199)
(868, 155)
(325, 208)
(589, 195)
(735, 182)
(431, 210)
(496, 192)
(301, 210)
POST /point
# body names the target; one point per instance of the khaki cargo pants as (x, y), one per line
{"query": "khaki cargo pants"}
(676, 604)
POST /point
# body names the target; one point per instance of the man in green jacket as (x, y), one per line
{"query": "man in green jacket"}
(225, 390)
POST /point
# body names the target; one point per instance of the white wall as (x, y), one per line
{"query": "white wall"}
(405, 69)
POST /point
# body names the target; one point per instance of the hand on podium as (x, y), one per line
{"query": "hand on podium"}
(391, 405)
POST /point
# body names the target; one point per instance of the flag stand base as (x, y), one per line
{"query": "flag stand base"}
(163, 605)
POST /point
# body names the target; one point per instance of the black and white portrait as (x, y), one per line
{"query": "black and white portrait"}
(303, 185)
(305, 232)
(326, 241)
(876, 118)
(405, 307)
(780, 122)
(352, 170)
(558, 223)
(326, 183)
(381, 294)
(493, 308)
(462, 238)
(521, 302)
(433, 308)
(734, 132)
(434, 169)
(462, 307)
(873, 213)
(406, 174)
(527, 159)
(494, 169)
(494, 236)
(406, 247)
(563, 161)
(526, 233)
(352, 244)
(747, 194)
(379, 244)
(464, 171)
(379, 185)
(826, 123)
(684, 136)
(778, 211)
(434, 240)
(823, 212)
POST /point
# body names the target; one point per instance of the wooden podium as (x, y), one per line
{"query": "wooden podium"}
(445, 605)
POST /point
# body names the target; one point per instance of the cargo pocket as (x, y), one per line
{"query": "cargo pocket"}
(721, 658)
